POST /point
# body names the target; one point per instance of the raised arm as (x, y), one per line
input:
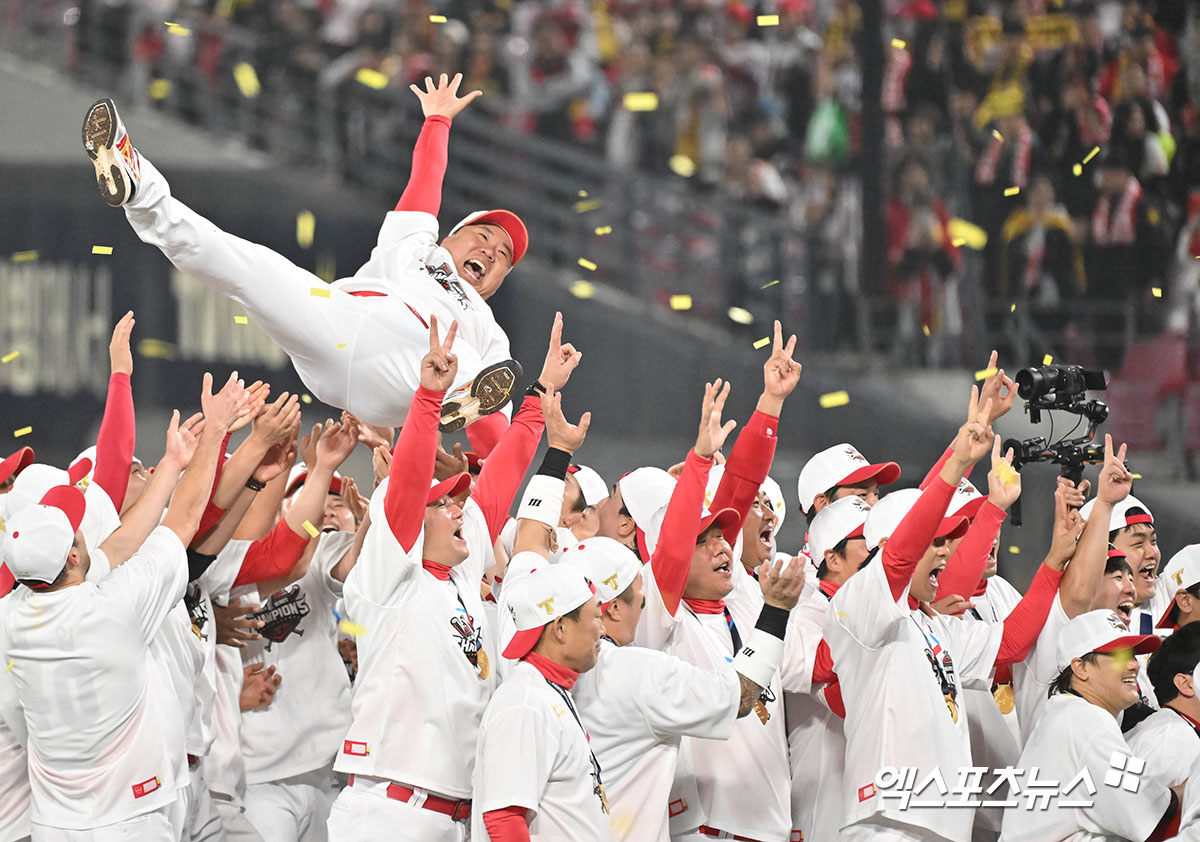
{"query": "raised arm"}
(1086, 569)
(1002, 391)
(542, 507)
(273, 424)
(440, 104)
(118, 429)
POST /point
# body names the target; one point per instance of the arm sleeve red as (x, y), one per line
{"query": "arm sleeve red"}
(486, 433)
(412, 467)
(212, 513)
(914, 534)
(502, 473)
(1024, 623)
(937, 468)
(117, 438)
(6, 580)
(507, 825)
(672, 558)
(833, 698)
(1168, 826)
(823, 665)
(424, 189)
(965, 568)
(746, 469)
(271, 557)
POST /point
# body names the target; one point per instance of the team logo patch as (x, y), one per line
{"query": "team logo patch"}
(676, 808)
(866, 793)
(855, 455)
(282, 614)
(146, 787)
(470, 640)
(448, 281)
(355, 748)
(197, 610)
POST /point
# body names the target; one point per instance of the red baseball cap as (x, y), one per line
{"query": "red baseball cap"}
(506, 221)
(16, 463)
(451, 487)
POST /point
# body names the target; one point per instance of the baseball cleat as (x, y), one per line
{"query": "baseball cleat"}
(118, 167)
(489, 392)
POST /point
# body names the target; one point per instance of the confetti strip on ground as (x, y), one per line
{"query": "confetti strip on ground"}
(586, 205)
(24, 431)
(681, 302)
(319, 292)
(768, 20)
(647, 101)
(371, 78)
(762, 343)
(740, 315)
(247, 80)
(102, 249)
(24, 256)
(985, 373)
(1077, 170)
(829, 401)
(156, 349)
(603, 229)
(764, 286)
(682, 166)
(241, 320)
(583, 289)
(306, 398)
(1047, 360)
(1095, 151)
(899, 43)
(312, 531)
(351, 629)
(306, 228)
(1014, 549)
(1012, 191)
(1156, 292)
(159, 89)
(10, 356)
(996, 134)
(437, 18)
(587, 264)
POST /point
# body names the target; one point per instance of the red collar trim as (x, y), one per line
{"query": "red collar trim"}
(913, 604)
(982, 589)
(439, 571)
(706, 606)
(1195, 724)
(551, 671)
(828, 588)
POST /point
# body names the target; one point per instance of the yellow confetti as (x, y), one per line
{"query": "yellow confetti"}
(24, 256)
(169, 23)
(974, 236)
(832, 399)
(319, 292)
(437, 18)
(312, 531)
(682, 166)
(1136, 476)
(899, 43)
(646, 101)
(11, 664)
(306, 228)
(306, 399)
(102, 249)
(371, 78)
(985, 373)
(10, 356)
(1047, 360)
(1077, 170)
(351, 629)
(764, 286)
(762, 343)
(583, 194)
(603, 229)
(1012, 191)
(1012, 308)
(339, 347)
(1095, 151)
(842, 614)
(925, 330)
(247, 80)
(176, 29)
(159, 89)
(586, 205)
(740, 315)
(768, 20)
(996, 134)
(24, 431)
(241, 320)
(958, 242)
(1014, 549)
(1006, 474)
(587, 264)
(583, 289)
(1156, 292)
(156, 349)
(681, 302)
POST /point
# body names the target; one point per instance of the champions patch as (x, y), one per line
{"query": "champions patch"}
(446, 279)
(281, 615)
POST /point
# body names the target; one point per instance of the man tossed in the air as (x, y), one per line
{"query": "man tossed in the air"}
(360, 348)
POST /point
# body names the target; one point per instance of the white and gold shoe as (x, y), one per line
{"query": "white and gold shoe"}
(118, 166)
(489, 392)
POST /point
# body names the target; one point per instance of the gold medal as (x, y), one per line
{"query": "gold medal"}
(761, 710)
(603, 798)
(952, 706)
(1003, 693)
(485, 666)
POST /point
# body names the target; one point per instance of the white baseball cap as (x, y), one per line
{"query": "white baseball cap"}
(886, 515)
(1179, 574)
(37, 479)
(1129, 511)
(645, 492)
(13, 464)
(769, 487)
(609, 565)
(539, 598)
(591, 484)
(967, 500)
(841, 464)
(1100, 631)
(835, 523)
(39, 537)
(299, 474)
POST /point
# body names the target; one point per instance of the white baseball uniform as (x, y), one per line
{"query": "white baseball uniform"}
(534, 753)
(14, 772)
(1169, 744)
(100, 751)
(408, 278)
(1072, 735)
(1033, 676)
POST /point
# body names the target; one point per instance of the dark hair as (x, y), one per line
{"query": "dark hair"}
(1173, 611)
(1178, 654)
(828, 493)
(580, 504)
(1062, 684)
(573, 615)
(626, 596)
(1117, 563)
(840, 549)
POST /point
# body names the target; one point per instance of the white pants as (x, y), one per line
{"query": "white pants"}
(233, 821)
(374, 376)
(365, 814)
(201, 822)
(295, 808)
(161, 825)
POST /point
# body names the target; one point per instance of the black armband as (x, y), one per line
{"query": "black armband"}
(772, 620)
(555, 463)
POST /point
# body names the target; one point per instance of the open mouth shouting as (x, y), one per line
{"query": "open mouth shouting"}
(1125, 610)
(473, 270)
(934, 575)
(1148, 573)
(723, 565)
(765, 539)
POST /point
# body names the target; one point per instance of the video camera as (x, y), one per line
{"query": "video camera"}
(1060, 387)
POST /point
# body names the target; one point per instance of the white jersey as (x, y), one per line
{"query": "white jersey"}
(419, 275)
(533, 753)
(96, 713)
(302, 729)
(1168, 743)
(14, 773)
(739, 786)
(902, 674)
(1033, 676)
(424, 674)
(1147, 615)
(637, 704)
(1073, 735)
(1189, 823)
(100, 519)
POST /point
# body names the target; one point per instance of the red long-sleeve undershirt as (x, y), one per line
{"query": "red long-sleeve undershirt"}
(424, 189)
(116, 440)
(937, 467)
(212, 512)
(271, 556)
(913, 535)
(672, 557)
(412, 468)
(964, 570)
(1024, 623)
(746, 469)
(485, 433)
(507, 825)
(501, 475)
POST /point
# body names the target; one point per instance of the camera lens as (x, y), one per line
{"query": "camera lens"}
(1031, 383)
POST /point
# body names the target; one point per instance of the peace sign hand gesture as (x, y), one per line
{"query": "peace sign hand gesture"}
(973, 442)
(439, 366)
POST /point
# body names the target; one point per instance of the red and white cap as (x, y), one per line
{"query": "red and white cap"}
(645, 493)
(37, 479)
(841, 464)
(14, 464)
(1179, 574)
(967, 500)
(449, 487)
(1129, 511)
(542, 597)
(835, 523)
(505, 220)
(39, 536)
(769, 487)
(1100, 631)
(724, 518)
(299, 474)
(609, 565)
(590, 483)
(886, 515)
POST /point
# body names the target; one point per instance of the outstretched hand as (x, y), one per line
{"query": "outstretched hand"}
(439, 366)
(337, 441)
(780, 373)
(1004, 483)
(1068, 526)
(442, 99)
(183, 438)
(561, 359)
(1000, 389)
(1115, 480)
(560, 432)
(712, 432)
(781, 581)
(120, 358)
(227, 407)
(974, 438)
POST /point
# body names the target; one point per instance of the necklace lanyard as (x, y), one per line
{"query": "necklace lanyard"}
(598, 789)
(1188, 720)
(733, 631)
